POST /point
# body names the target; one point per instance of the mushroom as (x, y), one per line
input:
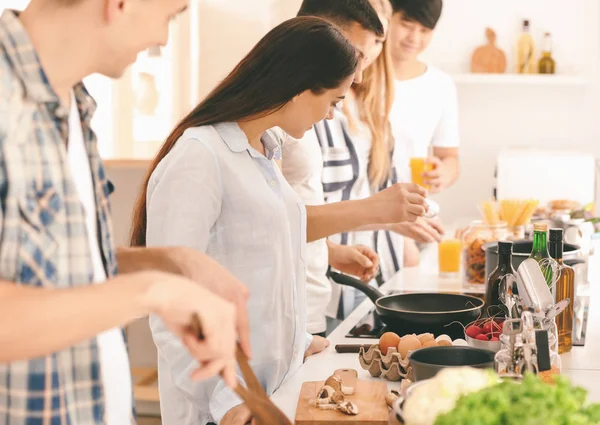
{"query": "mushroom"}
(325, 395)
(348, 408)
(331, 397)
(334, 382)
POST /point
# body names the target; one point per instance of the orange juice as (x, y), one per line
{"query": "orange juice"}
(449, 256)
(418, 166)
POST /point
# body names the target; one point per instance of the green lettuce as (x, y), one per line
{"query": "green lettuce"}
(531, 402)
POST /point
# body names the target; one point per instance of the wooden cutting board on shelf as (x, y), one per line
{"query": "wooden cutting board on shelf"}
(369, 396)
(489, 58)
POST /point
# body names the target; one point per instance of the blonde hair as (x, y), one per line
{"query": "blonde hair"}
(374, 100)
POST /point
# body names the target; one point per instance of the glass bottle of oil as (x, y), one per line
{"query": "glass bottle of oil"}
(547, 65)
(565, 288)
(540, 250)
(526, 51)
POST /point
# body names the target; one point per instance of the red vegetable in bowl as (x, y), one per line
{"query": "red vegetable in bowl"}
(473, 331)
(482, 337)
(491, 326)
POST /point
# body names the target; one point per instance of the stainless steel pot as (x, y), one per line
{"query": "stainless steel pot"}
(521, 252)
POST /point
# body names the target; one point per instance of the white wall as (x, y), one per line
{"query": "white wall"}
(496, 116)
(491, 116)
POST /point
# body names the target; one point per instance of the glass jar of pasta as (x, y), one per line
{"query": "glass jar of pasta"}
(475, 237)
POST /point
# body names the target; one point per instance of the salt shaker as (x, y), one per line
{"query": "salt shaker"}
(433, 208)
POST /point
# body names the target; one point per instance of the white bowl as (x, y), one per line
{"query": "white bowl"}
(494, 346)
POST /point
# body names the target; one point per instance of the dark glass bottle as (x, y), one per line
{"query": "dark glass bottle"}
(504, 268)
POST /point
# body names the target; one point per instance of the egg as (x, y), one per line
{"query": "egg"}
(423, 338)
(444, 343)
(460, 343)
(408, 343)
(388, 340)
(443, 338)
(430, 343)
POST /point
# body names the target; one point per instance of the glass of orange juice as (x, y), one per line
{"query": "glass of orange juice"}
(449, 251)
(418, 166)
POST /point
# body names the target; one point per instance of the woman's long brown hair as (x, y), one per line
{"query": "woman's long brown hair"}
(303, 53)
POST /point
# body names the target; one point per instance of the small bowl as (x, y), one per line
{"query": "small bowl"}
(494, 346)
(427, 362)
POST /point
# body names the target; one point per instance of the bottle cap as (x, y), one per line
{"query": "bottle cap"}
(540, 227)
(505, 247)
(526, 23)
(556, 235)
(433, 208)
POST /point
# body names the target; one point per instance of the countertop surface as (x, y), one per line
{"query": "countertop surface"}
(581, 365)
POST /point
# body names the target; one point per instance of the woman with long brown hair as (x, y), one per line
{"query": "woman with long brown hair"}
(215, 186)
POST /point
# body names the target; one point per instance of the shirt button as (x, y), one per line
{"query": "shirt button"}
(272, 183)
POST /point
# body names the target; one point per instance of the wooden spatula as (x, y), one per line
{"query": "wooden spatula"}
(263, 410)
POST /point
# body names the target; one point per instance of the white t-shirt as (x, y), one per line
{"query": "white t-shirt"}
(424, 115)
(114, 362)
(302, 167)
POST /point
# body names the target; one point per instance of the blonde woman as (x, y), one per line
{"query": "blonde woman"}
(323, 167)
(362, 127)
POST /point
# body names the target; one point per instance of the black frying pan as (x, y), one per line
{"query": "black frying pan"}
(419, 312)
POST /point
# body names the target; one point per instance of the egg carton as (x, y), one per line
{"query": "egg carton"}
(391, 366)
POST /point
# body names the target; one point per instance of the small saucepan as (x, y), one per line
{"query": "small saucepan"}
(427, 362)
(420, 312)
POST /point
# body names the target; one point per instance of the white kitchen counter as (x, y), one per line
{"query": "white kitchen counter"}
(582, 365)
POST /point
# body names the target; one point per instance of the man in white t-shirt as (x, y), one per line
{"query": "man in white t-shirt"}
(424, 116)
(66, 291)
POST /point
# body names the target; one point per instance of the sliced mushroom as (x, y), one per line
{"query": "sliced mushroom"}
(331, 397)
(348, 408)
(338, 397)
(334, 382)
(325, 394)
(331, 406)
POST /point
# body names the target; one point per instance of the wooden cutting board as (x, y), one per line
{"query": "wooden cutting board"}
(369, 396)
(489, 58)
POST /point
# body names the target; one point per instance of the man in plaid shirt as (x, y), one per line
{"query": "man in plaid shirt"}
(62, 356)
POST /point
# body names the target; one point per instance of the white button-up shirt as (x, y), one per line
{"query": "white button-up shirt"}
(215, 193)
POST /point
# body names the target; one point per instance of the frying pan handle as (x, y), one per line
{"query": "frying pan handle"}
(365, 288)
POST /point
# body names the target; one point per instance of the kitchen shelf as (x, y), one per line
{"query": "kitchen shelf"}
(517, 79)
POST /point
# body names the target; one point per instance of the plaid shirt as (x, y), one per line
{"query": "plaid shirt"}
(43, 235)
